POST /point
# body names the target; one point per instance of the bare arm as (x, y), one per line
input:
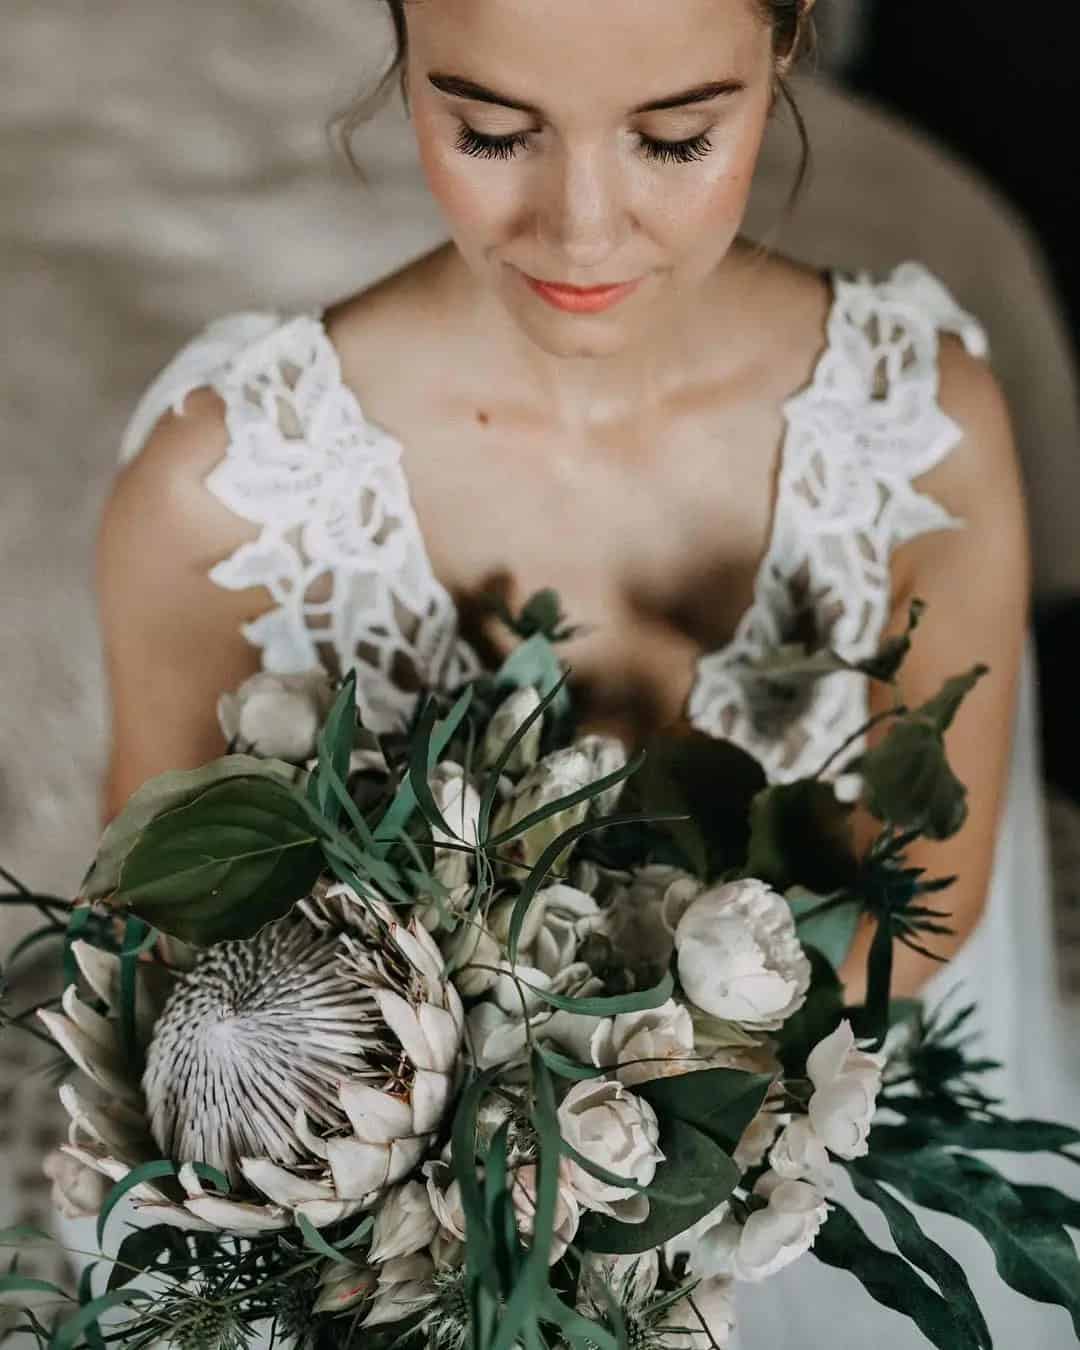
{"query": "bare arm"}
(976, 584)
(171, 636)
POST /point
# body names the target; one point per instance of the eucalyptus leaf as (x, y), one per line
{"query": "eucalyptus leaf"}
(720, 1103)
(801, 835)
(606, 1005)
(224, 865)
(694, 1164)
(890, 1280)
(163, 793)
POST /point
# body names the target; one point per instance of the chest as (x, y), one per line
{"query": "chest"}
(652, 535)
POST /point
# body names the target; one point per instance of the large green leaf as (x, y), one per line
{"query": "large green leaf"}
(713, 782)
(800, 835)
(720, 1103)
(891, 1281)
(166, 792)
(1034, 1254)
(224, 865)
(1047, 1203)
(946, 1272)
(695, 1164)
(1001, 1134)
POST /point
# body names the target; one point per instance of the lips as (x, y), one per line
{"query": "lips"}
(581, 299)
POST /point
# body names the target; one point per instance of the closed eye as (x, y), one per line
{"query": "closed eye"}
(471, 142)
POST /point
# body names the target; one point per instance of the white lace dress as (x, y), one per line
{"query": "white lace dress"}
(340, 550)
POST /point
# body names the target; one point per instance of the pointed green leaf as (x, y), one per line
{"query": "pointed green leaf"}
(605, 1005)
(720, 1103)
(69, 1333)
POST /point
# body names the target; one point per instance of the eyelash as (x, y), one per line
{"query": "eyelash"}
(472, 142)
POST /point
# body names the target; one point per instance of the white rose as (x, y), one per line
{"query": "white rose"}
(644, 1045)
(277, 716)
(799, 1155)
(78, 1192)
(770, 1239)
(459, 803)
(641, 918)
(404, 1225)
(846, 1082)
(713, 1302)
(607, 755)
(630, 1280)
(508, 717)
(740, 957)
(499, 1030)
(556, 776)
(618, 1131)
(556, 923)
(567, 1209)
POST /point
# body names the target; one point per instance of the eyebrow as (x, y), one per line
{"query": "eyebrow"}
(458, 87)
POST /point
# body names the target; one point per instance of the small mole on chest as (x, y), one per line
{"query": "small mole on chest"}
(482, 417)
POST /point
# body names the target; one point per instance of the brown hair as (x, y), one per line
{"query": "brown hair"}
(793, 34)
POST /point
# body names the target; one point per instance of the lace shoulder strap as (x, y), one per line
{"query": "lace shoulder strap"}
(865, 428)
(339, 547)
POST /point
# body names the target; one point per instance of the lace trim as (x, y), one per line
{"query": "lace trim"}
(340, 548)
(868, 423)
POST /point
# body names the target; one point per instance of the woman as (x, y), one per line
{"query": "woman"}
(721, 452)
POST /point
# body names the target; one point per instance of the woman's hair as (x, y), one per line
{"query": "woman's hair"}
(793, 34)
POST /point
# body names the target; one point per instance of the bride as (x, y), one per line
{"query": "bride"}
(599, 385)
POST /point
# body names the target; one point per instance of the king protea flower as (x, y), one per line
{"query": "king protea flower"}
(311, 1065)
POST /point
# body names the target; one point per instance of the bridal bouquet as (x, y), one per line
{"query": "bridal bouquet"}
(483, 1035)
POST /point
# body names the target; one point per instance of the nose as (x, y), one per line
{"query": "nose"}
(582, 214)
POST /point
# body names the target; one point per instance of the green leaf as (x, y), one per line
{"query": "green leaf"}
(1001, 1134)
(567, 1068)
(139, 1251)
(152, 1171)
(890, 1280)
(942, 709)
(720, 1103)
(800, 835)
(695, 1164)
(494, 774)
(315, 1241)
(480, 1266)
(86, 1296)
(921, 1251)
(25, 1235)
(335, 744)
(67, 1335)
(579, 1330)
(163, 793)
(831, 930)
(222, 866)
(710, 781)
(1046, 1203)
(535, 664)
(1034, 1255)
(26, 1284)
(609, 1006)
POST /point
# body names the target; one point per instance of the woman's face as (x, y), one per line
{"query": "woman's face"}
(581, 189)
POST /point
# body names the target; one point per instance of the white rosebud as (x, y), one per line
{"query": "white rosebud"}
(740, 957)
(404, 1225)
(459, 803)
(567, 1209)
(641, 918)
(799, 1155)
(644, 1045)
(78, 1192)
(770, 1239)
(712, 1302)
(556, 776)
(846, 1082)
(277, 716)
(618, 1131)
(509, 716)
(630, 1280)
(556, 923)
(607, 755)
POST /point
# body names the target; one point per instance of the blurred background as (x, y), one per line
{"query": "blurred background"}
(163, 164)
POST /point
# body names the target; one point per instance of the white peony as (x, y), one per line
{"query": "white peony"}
(740, 957)
(712, 1302)
(618, 1131)
(277, 716)
(567, 1208)
(556, 923)
(846, 1082)
(404, 1225)
(643, 1045)
(770, 1239)
(509, 716)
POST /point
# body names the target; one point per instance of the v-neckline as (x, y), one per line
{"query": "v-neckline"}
(781, 469)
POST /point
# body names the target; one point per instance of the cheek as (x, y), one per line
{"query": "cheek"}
(473, 195)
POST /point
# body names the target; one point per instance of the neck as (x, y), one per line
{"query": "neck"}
(586, 394)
